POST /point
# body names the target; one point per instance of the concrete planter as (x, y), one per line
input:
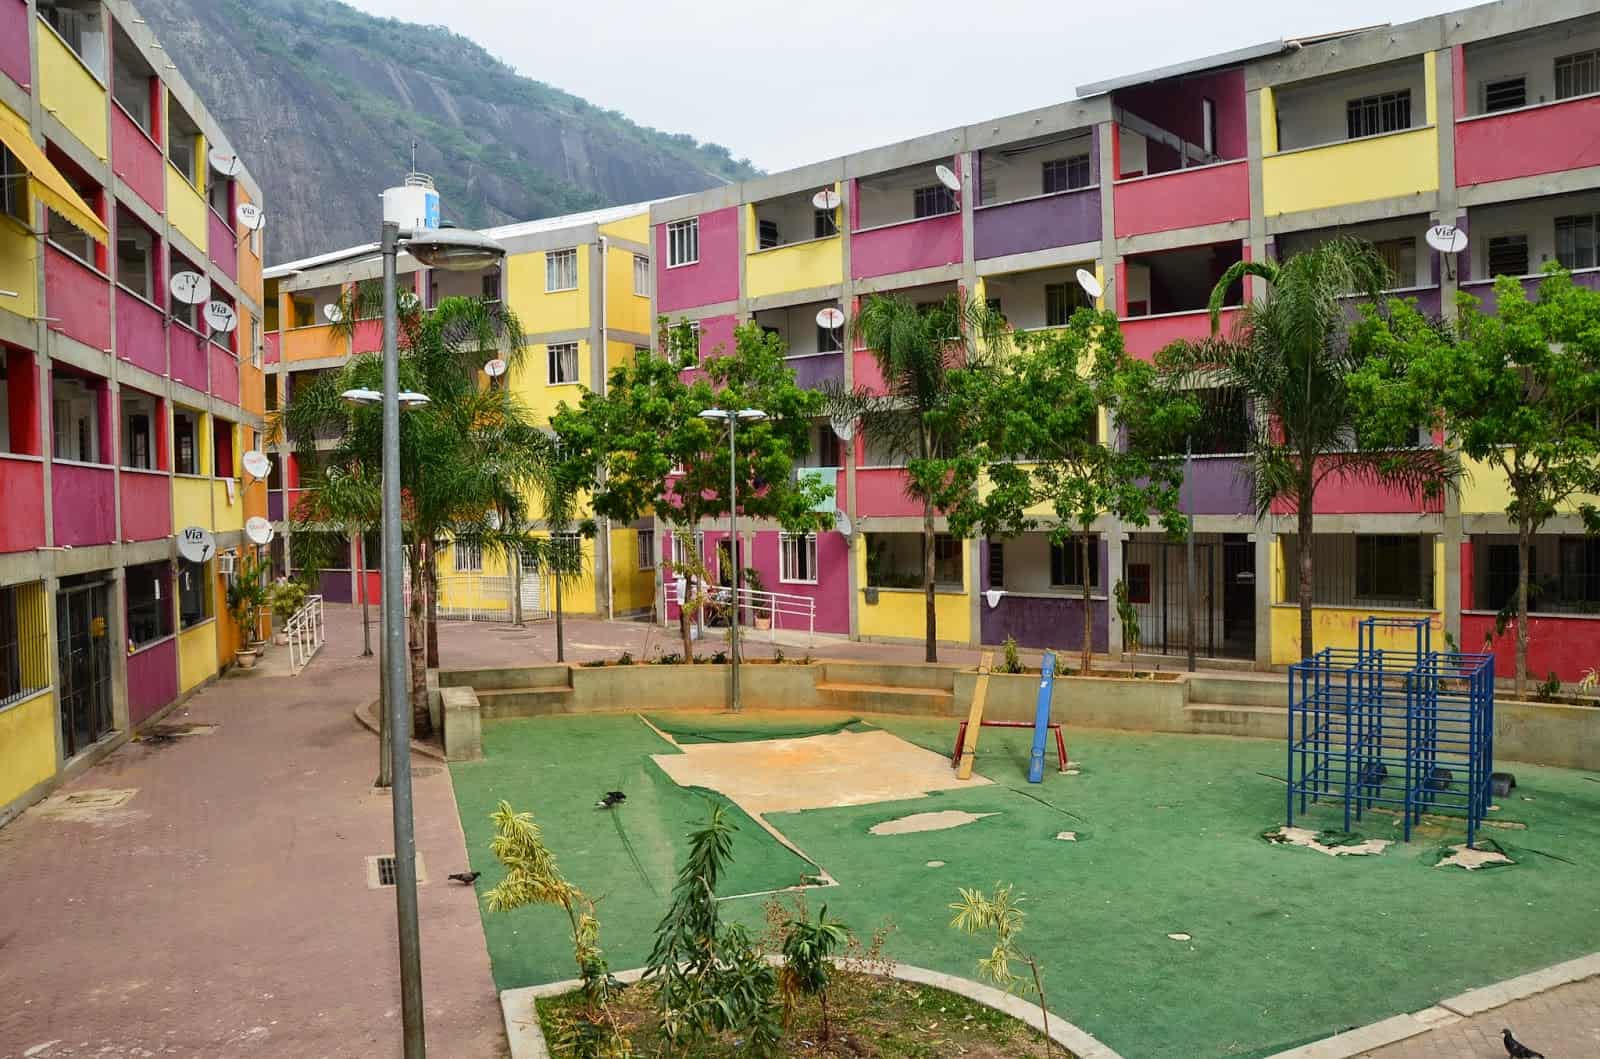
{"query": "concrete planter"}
(1547, 733)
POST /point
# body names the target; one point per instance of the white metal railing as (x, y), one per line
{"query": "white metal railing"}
(306, 633)
(777, 607)
(474, 597)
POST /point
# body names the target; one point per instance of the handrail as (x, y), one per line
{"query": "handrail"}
(770, 605)
(306, 633)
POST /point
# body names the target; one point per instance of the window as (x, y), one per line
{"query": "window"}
(1400, 257)
(75, 419)
(946, 560)
(1208, 126)
(489, 287)
(932, 201)
(1508, 255)
(1504, 95)
(767, 235)
(1500, 580)
(221, 448)
(824, 223)
(1061, 300)
(647, 549)
(138, 430)
(1580, 571)
(131, 78)
(65, 235)
(1371, 115)
(797, 558)
(149, 604)
(1578, 75)
(988, 188)
(997, 564)
(24, 642)
(183, 141)
(468, 556)
(683, 242)
(135, 256)
(186, 442)
(563, 362)
(219, 194)
(641, 275)
(1066, 563)
(78, 23)
(13, 188)
(1064, 174)
(194, 593)
(1575, 241)
(1390, 567)
(894, 560)
(561, 270)
(1138, 582)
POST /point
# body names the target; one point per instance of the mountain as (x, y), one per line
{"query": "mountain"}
(323, 102)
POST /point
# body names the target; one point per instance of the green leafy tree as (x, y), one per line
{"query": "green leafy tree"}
(641, 448)
(917, 348)
(999, 915)
(1291, 357)
(808, 948)
(1518, 392)
(1033, 423)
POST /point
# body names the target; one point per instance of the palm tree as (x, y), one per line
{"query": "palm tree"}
(1289, 355)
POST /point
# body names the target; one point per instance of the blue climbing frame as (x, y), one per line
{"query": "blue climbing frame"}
(1411, 730)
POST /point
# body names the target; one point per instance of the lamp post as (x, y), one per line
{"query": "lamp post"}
(1188, 485)
(455, 249)
(732, 418)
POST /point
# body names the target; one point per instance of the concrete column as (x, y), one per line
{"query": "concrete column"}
(1112, 574)
(117, 633)
(1115, 532)
(1449, 207)
(598, 342)
(1256, 241)
(975, 602)
(847, 501)
(1262, 539)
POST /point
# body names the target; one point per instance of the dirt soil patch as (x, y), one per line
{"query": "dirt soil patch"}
(1300, 836)
(871, 1017)
(1463, 856)
(943, 820)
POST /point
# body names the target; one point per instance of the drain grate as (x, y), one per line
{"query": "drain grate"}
(385, 871)
(381, 871)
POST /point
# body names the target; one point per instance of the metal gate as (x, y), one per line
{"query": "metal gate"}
(1157, 575)
(83, 647)
(534, 605)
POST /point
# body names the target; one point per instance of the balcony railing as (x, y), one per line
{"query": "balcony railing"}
(1144, 336)
(136, 159)
(79, 298)
(83, 503)
(1067, 218)
(811, 370)
(141, 333)
(190, 356)
(905, 246)
(1183, 198)
(1392, 165)
(1483, 290)
(1527, 141)
(22, 485)
(805, 265)
(146, 504)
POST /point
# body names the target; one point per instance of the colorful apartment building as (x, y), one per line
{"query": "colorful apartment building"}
(1156, 183)
(124, 415)
(580, 287)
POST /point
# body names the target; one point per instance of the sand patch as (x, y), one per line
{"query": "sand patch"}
(1066, 836)
(1471, 859)
(1300, 836)
(1181, 936)
(943, 820)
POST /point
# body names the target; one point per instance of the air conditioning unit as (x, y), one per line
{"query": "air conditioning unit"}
(225, 563)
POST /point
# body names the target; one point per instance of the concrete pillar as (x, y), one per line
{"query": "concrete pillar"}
(1262, 539)
(975, 602)
(1115, 540)
(847, 501)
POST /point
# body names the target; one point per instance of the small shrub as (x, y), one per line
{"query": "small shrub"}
(778, 657)
(806, 659)
(719, 658)
(1013, 662)
(625, 658)
(593, 663)
(671, 659)
(1549, 689)
(807, 948)
(978, 911)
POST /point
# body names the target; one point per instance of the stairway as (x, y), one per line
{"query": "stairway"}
(533, 691)
(851, 687)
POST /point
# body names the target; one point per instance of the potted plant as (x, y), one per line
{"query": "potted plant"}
(761, 611)
(248, 596)
(287, 599)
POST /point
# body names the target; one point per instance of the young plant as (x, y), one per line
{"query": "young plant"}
(979, 911)
(1129, 617)
(248, 595)
(1549, 689)
(1013, 662)
(807, 950)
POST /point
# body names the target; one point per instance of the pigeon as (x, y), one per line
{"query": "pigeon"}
(1374, 775)
(612, 799)
(465, 878)
(1502, 783)
(1516, 1049)
(1439, 779)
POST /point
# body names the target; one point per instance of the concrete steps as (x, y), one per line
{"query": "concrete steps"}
(885, 698)
(1216, 718)
(525, 701)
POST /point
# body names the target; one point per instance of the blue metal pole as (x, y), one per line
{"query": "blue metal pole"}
(1041, 718)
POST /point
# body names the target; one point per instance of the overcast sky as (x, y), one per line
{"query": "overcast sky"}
(786, 83)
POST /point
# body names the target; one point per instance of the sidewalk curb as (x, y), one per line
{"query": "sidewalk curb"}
(371, 725)
(1450, 1010)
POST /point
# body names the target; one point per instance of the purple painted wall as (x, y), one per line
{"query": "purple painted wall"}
(812, 372)
(1219, 485)
(141, 336)
(1484, 289)
(335, 585)
(84, 504)
(906, 246)
(714, 278)
(832, 590)
(189, 356)
(1041, 621)
(14, 41)
(1034, 224)
(275, 505)
(152, 679)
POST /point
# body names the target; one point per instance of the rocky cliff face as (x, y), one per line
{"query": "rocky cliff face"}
(323, 103)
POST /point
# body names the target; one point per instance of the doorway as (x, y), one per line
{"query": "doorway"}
(83, 646)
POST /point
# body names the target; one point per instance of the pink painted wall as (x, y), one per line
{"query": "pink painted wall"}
(271, 349)
(715, 278)
(868, 374)
(14, 61)
(716, 336)
(1186, 198)
(224, 373)
(831, 593)
(78, 297)
(367, 336)
(22, 485)
(1338, 495)
(152, 679)
(882, 491)
(221, 247)
(83, 504)
(137, 161)
(909, 245)
(1175, 106)
(189, 356)
(1527, 142)
(1143, 336)
(141, 336)
(146, 504)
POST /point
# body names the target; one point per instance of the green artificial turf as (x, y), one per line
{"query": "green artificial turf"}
(1288, 944)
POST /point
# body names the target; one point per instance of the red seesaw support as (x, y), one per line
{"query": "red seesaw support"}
(1061, 744)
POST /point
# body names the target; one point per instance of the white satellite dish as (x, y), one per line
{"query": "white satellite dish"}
(256, 464)
(494, 520)
(1090, 283)
(196, 544)
(225, 162)
(191, 288)
(407, 300)
(250, 215)
(495, 368)
(333, 313)
(842, 523)
(992, 596)
(947, 177)
(1446, 238)
(843, 427)
(830, 318)
(221, 317)
(258, 529)
(826, 199)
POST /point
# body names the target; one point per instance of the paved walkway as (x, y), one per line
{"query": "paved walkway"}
(1563, 1023)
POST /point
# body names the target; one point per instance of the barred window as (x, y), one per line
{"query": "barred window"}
(194, 593)
(1066, 563)
(468, 556)
(1575, 241)
(997, 564)
(932, 201)
(797, 558)
(1372, 115)
(683, 242)
(1065, 174)
(1580, 571)
(767, 235)
(1578, 74)
(24, 642)
(563, 362)
(561, 270)
(1505, 95)
(13, 187)
(647, 549)
(149, 589)
(1061, 300)
(1508, 255)
(824, 223)
(1389, 567)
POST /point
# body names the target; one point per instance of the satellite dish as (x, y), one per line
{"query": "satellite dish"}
(191, 288)
(221, 317)
(225, 162)
(495, 368)
(1090, 283)
(992, 597)
(1446, 238)
(196, 544)
(333, 313)
(258, 529)
(256, 465)
(843, 427)
(494, 521)
(841, 523)
(947, 177)
(826, 199)
(250, 215)
(830, 318)
(408, 300)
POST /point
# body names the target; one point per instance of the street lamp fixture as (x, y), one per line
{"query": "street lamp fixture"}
(453, 249)
(408, 398)
(748, 415)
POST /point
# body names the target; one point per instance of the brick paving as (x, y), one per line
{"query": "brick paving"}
(1563, 1023)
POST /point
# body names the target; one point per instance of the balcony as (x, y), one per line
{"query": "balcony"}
(141, 334)
(367, 337)
(22, 485)
(712, 277)
(1037, 299)
(1037, 195)
(190, 355)
(1219, 485)
(275, 505)
(69, 90)
(1183, 198)
(791, 245)
(1483, 290)
(19, 265)
(904, 220)
(316, 342)
(1527, 142)
(882, 491)
(1339, 494)
(272, 351)
(186, 208)
(1393, 165)
(136, 159)
(191, 501)
(1164, 297)
(146, 504)
(1144, 336)
(220, 245)
(79, 297)
(227, 504)
(224, 373)
(83, 503)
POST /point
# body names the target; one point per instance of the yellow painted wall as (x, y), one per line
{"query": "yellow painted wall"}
(27, 745)
(1339, 626)
(71, 92)
(19, 266)
(197, 654)
(1484, 491)
(227, 516)
(800, 266)
(635, 228)
(528, 381)
(901, 613)
(191, 501)
(186, 208)
(624, 309)
(538, 310)
(631, 587)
